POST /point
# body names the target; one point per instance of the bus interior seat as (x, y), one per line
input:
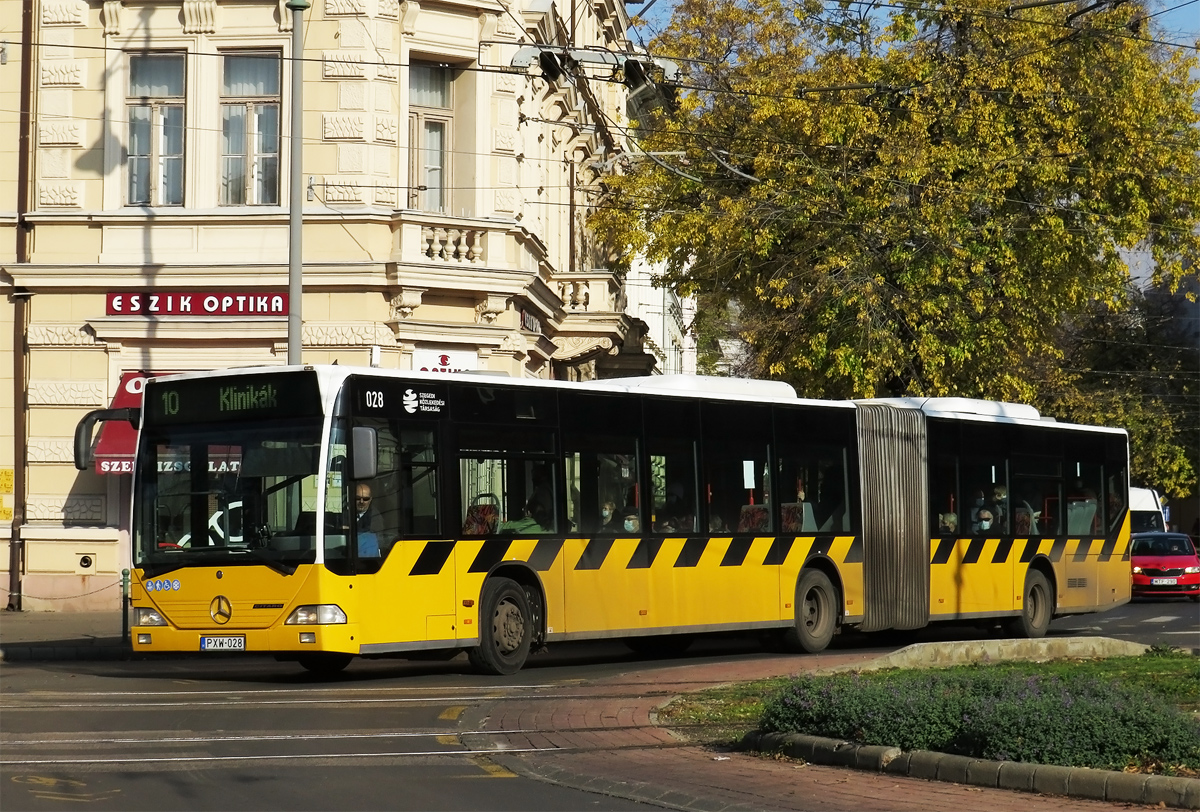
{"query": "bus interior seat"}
(792, 516)
(754, 518)
(798, 517)
(306, 523)
(1080, 515)
(1026, 520)
(837, 520)
(483, 514)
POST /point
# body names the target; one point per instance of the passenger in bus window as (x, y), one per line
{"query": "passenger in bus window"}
(630, 521)
(983, 522)
(948, 524)
(999, 508)
(534, 520)
(610, 522)
(716, 525)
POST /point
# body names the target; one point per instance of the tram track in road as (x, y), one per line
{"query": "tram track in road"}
(194, 737)
(198, 752)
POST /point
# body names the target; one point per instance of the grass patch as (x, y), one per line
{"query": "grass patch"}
(1117, 713)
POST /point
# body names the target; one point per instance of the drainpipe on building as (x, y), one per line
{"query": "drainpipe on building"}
(16, 545)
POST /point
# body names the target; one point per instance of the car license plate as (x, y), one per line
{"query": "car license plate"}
(1163, 581)
(223, 643)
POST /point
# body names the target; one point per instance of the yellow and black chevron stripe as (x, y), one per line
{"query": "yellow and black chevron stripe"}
(1001, 550)
(597, 552)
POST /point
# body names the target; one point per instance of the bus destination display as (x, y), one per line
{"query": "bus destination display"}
(289, 394)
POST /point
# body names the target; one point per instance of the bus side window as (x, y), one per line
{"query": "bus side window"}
(601, 444)
(671, 428)
(737, 468)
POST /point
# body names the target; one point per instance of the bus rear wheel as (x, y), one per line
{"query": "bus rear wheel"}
(1037, 608)
(505, 628)
(816, 613)
(325, 665)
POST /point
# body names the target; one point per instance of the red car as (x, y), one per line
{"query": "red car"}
(1165, 565)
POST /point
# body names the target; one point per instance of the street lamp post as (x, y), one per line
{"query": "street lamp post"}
(296, 186)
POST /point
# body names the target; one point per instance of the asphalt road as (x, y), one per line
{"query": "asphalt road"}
(254, 734)
(250, 733)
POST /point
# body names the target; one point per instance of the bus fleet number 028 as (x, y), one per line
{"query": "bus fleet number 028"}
(374, 399)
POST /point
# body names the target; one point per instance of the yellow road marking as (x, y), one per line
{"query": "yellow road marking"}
(452, 713)
(447, 739)
(47, 781)
(492, 769)
(86, 798)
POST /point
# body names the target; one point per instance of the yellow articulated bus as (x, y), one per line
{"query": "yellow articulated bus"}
(324, 513)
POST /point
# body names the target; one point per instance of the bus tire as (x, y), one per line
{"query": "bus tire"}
(816, 613)
(505, 628)
(1037, 607)
(324, 664)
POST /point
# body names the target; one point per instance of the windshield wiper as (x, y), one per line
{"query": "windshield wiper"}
(155, 570)
(275, 564)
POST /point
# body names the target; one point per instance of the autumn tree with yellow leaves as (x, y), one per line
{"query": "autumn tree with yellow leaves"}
(913, 199)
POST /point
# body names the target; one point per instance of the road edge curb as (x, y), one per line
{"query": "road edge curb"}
(1071, 782)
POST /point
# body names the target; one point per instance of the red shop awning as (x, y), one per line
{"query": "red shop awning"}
(118, 439)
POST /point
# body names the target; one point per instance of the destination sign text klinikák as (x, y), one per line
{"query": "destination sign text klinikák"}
(247, 398)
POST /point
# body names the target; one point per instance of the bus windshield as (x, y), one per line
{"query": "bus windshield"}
(227, 494)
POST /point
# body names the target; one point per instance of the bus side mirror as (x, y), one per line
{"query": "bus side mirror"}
(83, 431)
(365, 449)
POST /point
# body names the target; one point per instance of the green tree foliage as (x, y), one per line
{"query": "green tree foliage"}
(1138, 368)
(914, 205)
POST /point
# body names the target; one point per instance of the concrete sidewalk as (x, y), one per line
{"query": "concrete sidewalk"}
(61, 636)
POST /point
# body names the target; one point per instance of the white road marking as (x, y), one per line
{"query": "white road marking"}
(499, 689)
(236, 701)
(280, 757)
(1163, 619)
(281, 737)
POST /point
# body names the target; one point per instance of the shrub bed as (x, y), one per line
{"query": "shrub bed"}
(995, 713)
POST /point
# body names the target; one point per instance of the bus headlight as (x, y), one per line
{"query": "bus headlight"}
(148, 617)
(322, 614)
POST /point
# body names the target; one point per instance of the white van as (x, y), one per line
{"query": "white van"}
(1145, 511)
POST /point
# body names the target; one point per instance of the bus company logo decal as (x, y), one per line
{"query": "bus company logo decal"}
(221, 610)
(425, 402)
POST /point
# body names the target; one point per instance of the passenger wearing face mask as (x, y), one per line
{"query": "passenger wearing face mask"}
(999, 508)
(610, 522)
(984, 522)
(630, 522)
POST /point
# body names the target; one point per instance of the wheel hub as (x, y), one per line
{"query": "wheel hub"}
(509, 627)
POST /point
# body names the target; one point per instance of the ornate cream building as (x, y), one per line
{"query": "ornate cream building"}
(144, 220)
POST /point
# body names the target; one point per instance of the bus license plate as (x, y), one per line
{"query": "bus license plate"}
(1163, 581)
(223, 643)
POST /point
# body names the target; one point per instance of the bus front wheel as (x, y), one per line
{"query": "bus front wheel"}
(1037, 608)
(505, 628)
(816, 612)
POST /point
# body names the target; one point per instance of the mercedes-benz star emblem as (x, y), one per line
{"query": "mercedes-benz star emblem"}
(221, 609)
